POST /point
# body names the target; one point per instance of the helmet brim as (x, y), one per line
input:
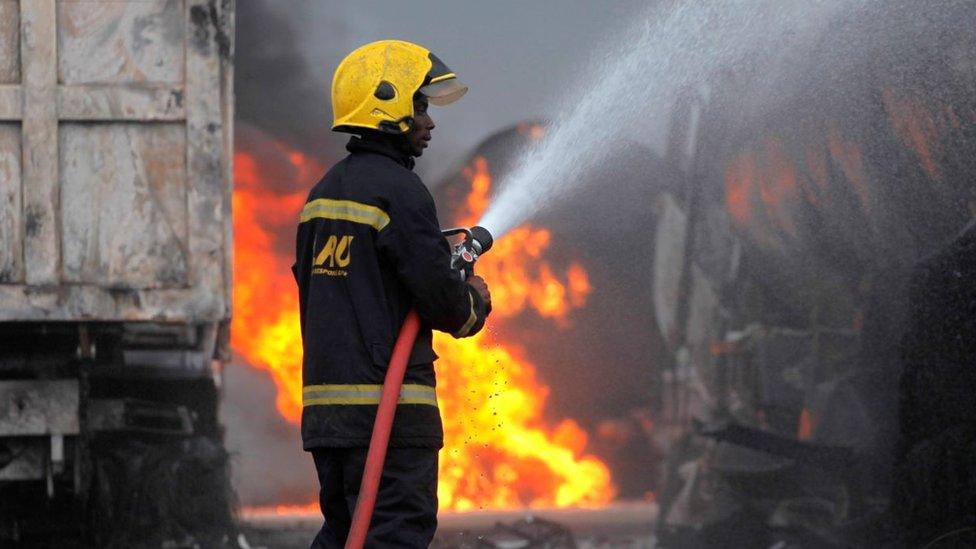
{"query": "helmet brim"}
(444, 92)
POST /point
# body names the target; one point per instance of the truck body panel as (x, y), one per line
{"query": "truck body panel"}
(115, 132)
(116, 148)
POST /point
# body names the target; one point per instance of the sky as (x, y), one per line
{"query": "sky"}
(517, 58)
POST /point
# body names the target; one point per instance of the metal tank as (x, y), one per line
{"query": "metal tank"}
(116, 124)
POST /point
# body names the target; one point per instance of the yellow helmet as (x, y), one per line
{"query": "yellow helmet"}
(373, 87)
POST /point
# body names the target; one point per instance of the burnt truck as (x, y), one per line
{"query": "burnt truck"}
(783, 290)
(116, 126)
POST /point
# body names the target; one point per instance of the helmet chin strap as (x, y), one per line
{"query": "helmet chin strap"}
(393, 128)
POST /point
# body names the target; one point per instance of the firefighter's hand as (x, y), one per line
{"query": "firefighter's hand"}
(481, 287)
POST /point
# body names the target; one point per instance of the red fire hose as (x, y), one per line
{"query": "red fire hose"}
(381, 432)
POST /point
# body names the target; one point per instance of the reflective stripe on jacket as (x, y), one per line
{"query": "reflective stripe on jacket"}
(369, 249)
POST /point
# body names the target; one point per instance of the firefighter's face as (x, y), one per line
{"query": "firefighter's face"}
(419, 136)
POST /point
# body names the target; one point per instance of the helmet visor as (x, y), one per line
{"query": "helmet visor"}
(444, 90)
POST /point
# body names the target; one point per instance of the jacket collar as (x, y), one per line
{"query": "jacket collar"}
(379, 145)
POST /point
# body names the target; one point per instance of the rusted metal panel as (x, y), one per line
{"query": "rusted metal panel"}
(207, 43)
(40, 142)
(11, 102)
(127, 218)
(130, 102)
(227, 103)
(9, 42)
(34, 408)
(80, 302)
(120, 42)
(123, 205)
(11, 253)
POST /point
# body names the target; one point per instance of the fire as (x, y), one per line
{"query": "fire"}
(769, 175)
(519, 277)
(498, 451)
(515, 269)
(739, 177)
(765, 184)
(849, 156)
(477, 201)
(266, 327)
(917, 129)
(285, 509)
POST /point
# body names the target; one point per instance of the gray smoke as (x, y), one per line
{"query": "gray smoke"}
(275, 88)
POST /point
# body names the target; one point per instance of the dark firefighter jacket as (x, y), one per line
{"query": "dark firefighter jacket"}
(369, 248)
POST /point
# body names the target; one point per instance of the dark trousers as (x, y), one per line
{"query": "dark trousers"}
(406, 505)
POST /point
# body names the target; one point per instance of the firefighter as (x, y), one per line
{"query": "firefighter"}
(369, 249)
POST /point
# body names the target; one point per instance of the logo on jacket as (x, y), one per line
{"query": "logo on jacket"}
(334, 257)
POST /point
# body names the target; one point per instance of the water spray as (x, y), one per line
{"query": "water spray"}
(629, 89)
(628, 92)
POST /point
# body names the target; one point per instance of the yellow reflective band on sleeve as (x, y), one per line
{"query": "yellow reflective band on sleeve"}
(345, 210)
(442, 77)
(471, 319)
(352, 395)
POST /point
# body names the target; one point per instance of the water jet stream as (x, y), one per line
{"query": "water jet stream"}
(629, 90)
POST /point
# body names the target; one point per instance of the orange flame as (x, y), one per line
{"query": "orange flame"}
(917, 129)
(847, 154)
(477, 201)
(284, 509)
(763, 181)
(266, 327)
(498, 452)
(739, 177)
(535, 131)
(763, 187)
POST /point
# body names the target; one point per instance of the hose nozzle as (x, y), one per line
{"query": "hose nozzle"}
(477, 240)
(481, 239)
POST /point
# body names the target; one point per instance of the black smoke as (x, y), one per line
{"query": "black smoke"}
(276, 91)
